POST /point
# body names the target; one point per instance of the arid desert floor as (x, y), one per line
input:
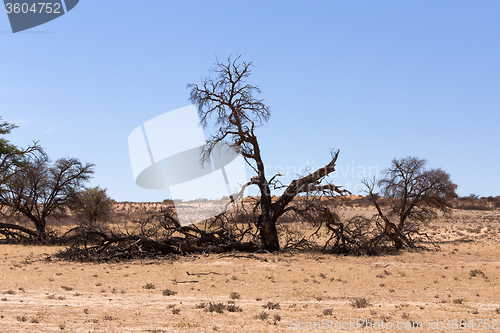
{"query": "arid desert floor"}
(457, 285)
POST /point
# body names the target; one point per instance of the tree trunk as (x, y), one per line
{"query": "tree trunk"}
(268, 235)
(40, 229)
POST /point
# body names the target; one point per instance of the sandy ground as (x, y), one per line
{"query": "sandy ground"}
(266, 292)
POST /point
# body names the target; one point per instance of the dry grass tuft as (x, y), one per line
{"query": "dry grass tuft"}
(22, 318)
(477, 272)
(360, 303)
(327, 312)
(271, 306)
(215, 307)
(168, 292)
(233, 308)
(262, 316)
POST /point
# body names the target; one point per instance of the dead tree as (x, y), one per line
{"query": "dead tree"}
(230, 102)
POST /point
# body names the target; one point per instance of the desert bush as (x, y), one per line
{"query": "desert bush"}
(360, 303)
(234, 295)
(201, 305)
(477, 272)
(22, 318)
(327, 312)
(215, 307)
(271, 306)
(168, 292)
(262, 316)
(233, 308)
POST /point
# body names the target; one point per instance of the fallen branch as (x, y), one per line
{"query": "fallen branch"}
(248, 256)
(208, 273)
(176, 282)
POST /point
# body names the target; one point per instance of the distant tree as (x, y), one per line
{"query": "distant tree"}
(38, 189)
(417, 194)
(230, 102)
(91, 205)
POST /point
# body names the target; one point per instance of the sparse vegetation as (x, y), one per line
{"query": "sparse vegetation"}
(327, 312)
(200, 305)
(477, 272)
(271, 306)
(168, 292)
(22, 318)
(360, 303)
(233, 308)
(262, 316)
(215, 307)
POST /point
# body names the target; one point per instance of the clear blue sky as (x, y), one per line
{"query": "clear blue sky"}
(376, 79)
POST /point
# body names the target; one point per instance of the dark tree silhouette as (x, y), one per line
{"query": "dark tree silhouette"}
(39, 190)
(230, 102)
(417, 194)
